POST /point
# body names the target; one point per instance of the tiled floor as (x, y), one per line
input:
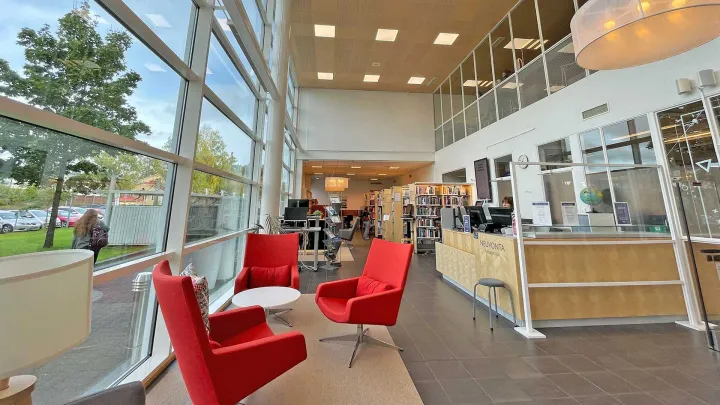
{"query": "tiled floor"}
(455, 360)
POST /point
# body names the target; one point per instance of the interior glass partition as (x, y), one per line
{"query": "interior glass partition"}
(692, 160)
(525, 34)
(628, 256)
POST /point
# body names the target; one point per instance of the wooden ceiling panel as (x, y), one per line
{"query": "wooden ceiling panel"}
(351, 54)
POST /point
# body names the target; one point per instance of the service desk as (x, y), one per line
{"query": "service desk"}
(597, 279)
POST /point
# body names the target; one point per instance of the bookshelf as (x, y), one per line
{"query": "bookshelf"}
(408, 230)
(371, 207)
(428, 199)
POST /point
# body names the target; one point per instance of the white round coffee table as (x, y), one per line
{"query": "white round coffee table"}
(270, 298)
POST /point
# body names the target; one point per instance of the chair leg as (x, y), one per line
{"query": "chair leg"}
(497, 315)
(359, 337)
(474, 298)
(490, 307)
(374, 341)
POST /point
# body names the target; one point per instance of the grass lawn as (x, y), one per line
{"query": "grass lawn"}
(17, 243)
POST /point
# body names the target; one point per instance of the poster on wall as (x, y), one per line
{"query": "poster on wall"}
(482, 179)
(622, 214)
(541, 213)
(569, 213)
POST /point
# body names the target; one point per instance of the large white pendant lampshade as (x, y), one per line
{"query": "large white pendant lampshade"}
(615, 34)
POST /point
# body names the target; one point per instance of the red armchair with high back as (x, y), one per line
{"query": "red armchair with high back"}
(373, 298)
(276, 256)
(240, 355)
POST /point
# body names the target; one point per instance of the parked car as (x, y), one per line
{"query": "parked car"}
(83, 210)
(11, 221)
(44, 217)
(68, 218)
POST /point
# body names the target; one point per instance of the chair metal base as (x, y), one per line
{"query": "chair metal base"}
(276, 314)
(360, 337)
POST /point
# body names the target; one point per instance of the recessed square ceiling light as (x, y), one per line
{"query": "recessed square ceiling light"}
(376, 64)
(371, 78)
(317, 167)
(386, 35)
(520, 43)
(382, 174)
(445, 38)
(318, 173)
(470, 83)
(394, 167)
(351, 174)
(159, 20)
(326, 31)
(356, 167)
(373, 179)
(325, 76)
(416, 80)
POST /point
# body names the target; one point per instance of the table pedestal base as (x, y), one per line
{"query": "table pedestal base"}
(276, 313)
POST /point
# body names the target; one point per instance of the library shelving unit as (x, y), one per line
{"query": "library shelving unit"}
(371, 208)
(395, 226)
(428, 199)
(407, 219)
(455, 195)
(378, 214)
(426, 215)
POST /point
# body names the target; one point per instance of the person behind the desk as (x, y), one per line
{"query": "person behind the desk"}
(507, 202)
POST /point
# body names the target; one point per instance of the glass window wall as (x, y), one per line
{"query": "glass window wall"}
(502, 51)
(456, 91)
(526, 36)
(128, 93)
(469, 84)
(225, 80)
(222, 144)
(507, 59)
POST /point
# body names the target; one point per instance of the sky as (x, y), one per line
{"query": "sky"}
(157, 95)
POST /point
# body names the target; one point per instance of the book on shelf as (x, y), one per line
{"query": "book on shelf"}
(454, 190)
(425, 190)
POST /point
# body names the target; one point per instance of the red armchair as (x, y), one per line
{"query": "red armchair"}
(270, 251)
(373, 298)
(241, 354)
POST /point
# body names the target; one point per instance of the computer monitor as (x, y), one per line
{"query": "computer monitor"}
(501, 216)
(477, 216)
(295, 214)
(299, 203)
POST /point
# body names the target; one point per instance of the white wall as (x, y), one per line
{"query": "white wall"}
(423, 174)
(366, 125)
(628, 92)
(355, 192)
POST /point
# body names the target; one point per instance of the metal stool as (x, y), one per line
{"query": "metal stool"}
(493, 284)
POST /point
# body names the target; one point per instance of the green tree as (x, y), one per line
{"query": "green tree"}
(77, 73)
(212, 151)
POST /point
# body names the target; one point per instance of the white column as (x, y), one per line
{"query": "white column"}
(276, 132)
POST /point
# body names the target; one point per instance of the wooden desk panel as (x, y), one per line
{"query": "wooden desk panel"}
(600, 263)
(606, 302)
